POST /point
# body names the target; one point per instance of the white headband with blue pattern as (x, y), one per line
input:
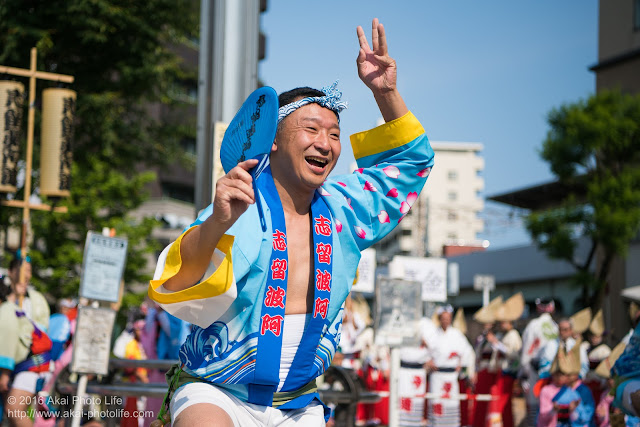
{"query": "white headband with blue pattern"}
(331, 100)
(444, 309)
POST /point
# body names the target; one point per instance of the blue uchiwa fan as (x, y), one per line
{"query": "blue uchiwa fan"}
(59, 332)
(250, 135)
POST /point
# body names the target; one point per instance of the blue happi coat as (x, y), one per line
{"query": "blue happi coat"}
(394, 161)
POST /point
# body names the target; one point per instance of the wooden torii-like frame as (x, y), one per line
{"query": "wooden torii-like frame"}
(26, 206)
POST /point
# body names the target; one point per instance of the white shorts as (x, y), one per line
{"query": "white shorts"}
(27, 380)
(630, 388)
(244, 414)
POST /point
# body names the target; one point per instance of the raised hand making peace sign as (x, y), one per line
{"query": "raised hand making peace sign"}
(377, 70)
(375, 67)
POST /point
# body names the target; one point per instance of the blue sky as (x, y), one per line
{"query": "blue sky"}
(473, 71)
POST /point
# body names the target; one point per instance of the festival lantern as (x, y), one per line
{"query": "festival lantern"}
(58, 108)
(10, 142)
(11, 107)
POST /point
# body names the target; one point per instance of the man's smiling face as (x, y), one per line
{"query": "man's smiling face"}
(307, 147)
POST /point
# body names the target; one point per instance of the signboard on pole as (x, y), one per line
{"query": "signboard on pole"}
(366, 272)
(399, 311)
(92, 340)
(482, 281)
(218, 171)
(430, 272)
(102, 267)
(453, 279)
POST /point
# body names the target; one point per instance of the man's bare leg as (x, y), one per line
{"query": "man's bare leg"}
(17, 405)
(203, 414)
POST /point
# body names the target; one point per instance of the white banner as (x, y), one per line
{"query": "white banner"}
(366, 272)
(398, 312)
(430, 272)
(102, 267)
(92, 340)
(218, 171)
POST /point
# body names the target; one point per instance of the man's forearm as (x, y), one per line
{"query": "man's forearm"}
(391, 104)
(196, 250)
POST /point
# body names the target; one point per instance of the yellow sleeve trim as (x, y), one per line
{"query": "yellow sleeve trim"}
(216, 284)
(385, 137)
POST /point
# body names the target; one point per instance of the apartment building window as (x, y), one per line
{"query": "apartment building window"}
(453, 175)
(177, 191)
(452, 216)
(188, 145)
(194, 40)
(452, 196)
(184, 91)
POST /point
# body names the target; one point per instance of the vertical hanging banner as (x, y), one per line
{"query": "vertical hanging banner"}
(366, 272)
(218, 171)
(58, 110)
(11, 108)
(398, 311)
(430, 272)
(102, 267)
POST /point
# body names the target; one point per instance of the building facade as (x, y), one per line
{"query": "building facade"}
(618, 68)
(618, 64)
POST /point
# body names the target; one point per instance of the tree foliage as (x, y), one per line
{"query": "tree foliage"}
(120, 53)
(594, 146)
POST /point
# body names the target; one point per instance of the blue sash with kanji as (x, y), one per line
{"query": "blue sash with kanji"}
(266, 376)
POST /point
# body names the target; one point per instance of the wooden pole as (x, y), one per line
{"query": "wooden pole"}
(34, 207)
(38, 74)
(26, 212)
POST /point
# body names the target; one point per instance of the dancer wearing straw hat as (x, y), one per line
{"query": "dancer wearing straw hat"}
(626, 375)
(597, 351)
(565, 401)
(503, 364)
(535, 337)
(459, 321)
(25, 350)
(486, 317)
(565, 340)
(509, 347)
(264, 271)
(486, 358)
(603, 403)
(580, 322)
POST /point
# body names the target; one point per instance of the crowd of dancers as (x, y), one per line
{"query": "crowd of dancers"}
(561, 367)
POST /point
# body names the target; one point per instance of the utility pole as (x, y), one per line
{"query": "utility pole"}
(228, 73)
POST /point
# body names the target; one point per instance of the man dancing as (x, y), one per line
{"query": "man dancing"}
(449, 352)
(535, 337)
(267, 305)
